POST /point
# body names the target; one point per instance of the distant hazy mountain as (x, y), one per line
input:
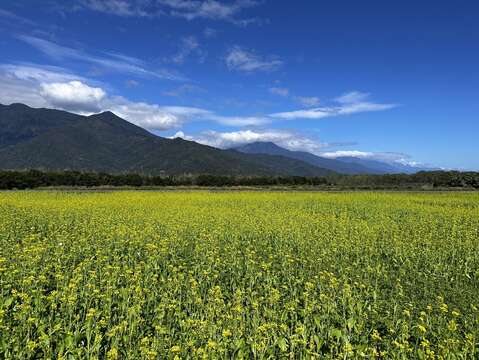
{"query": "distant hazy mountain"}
(343, 165)
(57, 140)
(330, 164)
(383, 167)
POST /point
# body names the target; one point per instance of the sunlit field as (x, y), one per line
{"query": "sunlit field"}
(151, 275)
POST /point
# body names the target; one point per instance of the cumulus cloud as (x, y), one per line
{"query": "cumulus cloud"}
(148, 116)
(394, 158)
(156, 117)
(285, 138)
(179, 134)
(279, 91)
(73, 96)
(42, 86)
(21, 82)
(54, 87)
(293, 141)
(243, 60)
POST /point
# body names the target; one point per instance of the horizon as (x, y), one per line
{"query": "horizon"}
(388, 82)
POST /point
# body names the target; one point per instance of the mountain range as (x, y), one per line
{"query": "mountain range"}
(56, 140)
(342, 165)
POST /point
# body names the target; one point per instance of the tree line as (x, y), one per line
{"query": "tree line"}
(433, 179)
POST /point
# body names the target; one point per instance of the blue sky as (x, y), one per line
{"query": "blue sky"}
(395, 81)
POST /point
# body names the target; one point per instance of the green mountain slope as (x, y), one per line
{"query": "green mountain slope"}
(56, 140)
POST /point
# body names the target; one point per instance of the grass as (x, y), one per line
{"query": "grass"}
(266, 275)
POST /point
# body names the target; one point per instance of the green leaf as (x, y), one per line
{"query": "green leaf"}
(8, 302)
(336, 333)
(282, 344)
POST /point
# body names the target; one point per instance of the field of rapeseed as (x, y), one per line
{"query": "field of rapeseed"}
(149, 275)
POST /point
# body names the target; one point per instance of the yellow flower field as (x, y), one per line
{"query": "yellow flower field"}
(265, 275)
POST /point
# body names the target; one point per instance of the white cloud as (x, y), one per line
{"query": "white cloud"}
(14, 18)
(43, 86)
(352, 97)
(308, 101)
(148, 116)
(189, 45)
(317, 113)
(155, 117)
(132, 84)
(279, 91)
(74, 96)
(53, 87)
(240, 120)
(350, 103)
(363, 107)
(125, 58)
(348, 153)
(186, 9)
(114, 62)
(234, 138)
(21, 82)
(285, 138)
(293, 141)
(187, 111)
(392, 158)
(119, 7)
(208, 9)
(243, 60)
(183, 89)
(199, 114)
(40, 73)
(14, 91)
(179, 134)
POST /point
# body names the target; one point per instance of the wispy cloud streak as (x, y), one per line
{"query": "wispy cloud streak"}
(112, 62)
(186, 9)
(240, 59)
(350, 103)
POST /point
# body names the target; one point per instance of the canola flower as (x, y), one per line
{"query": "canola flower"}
(262, 275)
